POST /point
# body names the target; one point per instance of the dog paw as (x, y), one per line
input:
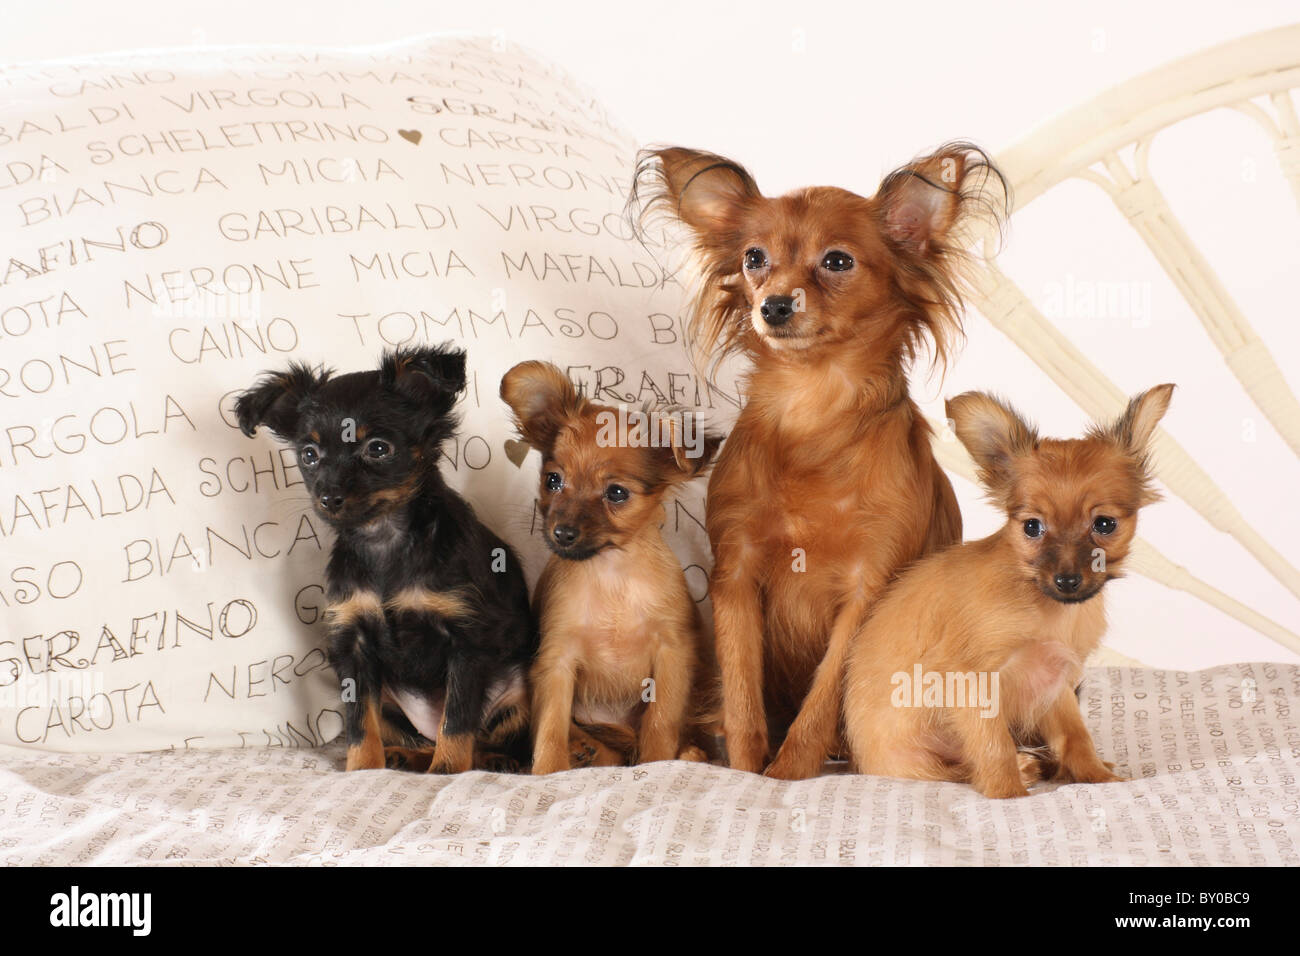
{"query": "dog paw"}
(407, 758)
(581, 754)
(448, 765)
(783, 768)
(497, 763)
(1004, 790)
(746, 751)
(1031, 768)
(542, 766)
(453, 753)
(365, 757)
(693, 754)
(1097, 773)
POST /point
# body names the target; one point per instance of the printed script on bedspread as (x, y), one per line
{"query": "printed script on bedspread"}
(1213, 758)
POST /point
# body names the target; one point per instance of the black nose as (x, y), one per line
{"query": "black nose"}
(777, 309)
(1068, 583)
(331, 503)
(565, 535)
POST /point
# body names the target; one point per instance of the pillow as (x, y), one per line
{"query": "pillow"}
(176, 223)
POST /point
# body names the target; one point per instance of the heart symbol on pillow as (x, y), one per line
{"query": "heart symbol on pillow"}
(411, 135)
(517, 451)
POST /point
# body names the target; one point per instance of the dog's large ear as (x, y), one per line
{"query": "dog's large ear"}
(1133, 430)
(433, 376)
(701, 189)
(922, 203)
(712, 196)
(932, 212)
(276, 399)
(692, 448)
(543, 399)
(994, 435)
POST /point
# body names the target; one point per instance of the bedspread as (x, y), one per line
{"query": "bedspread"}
(1213, 756)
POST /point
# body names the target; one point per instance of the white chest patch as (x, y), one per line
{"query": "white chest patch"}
(425, 715)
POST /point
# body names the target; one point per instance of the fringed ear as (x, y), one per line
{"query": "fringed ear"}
(920, 201)
(542, 399)
(923, 203)
(933, 211)
(692, 449)
(276, 399)
(994, 435)
(1133, 430)
(432, 376)
(702, 190)
(711, 196)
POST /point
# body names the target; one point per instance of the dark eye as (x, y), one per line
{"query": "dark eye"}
(1103, 524)
(378, 449)
(1033, 528)
(554, 481)
(616, 494)
(837, 261)
(310, 455)
(755, 259)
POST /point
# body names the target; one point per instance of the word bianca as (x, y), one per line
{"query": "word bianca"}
(629, 428)
(946, 689)
(74, 909)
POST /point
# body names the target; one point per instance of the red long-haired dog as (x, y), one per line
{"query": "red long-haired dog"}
(827, 484)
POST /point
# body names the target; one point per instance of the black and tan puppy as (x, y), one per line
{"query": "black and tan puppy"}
(428, 609)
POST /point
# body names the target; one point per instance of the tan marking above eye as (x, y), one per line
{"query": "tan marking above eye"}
(360, 604)
(452, 603)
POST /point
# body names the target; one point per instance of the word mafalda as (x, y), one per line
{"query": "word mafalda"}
(633, 428)
(946, 689)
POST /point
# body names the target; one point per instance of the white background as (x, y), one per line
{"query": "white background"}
(841, 93)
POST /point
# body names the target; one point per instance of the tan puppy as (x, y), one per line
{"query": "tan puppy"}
(623, 671)
(976, 650)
